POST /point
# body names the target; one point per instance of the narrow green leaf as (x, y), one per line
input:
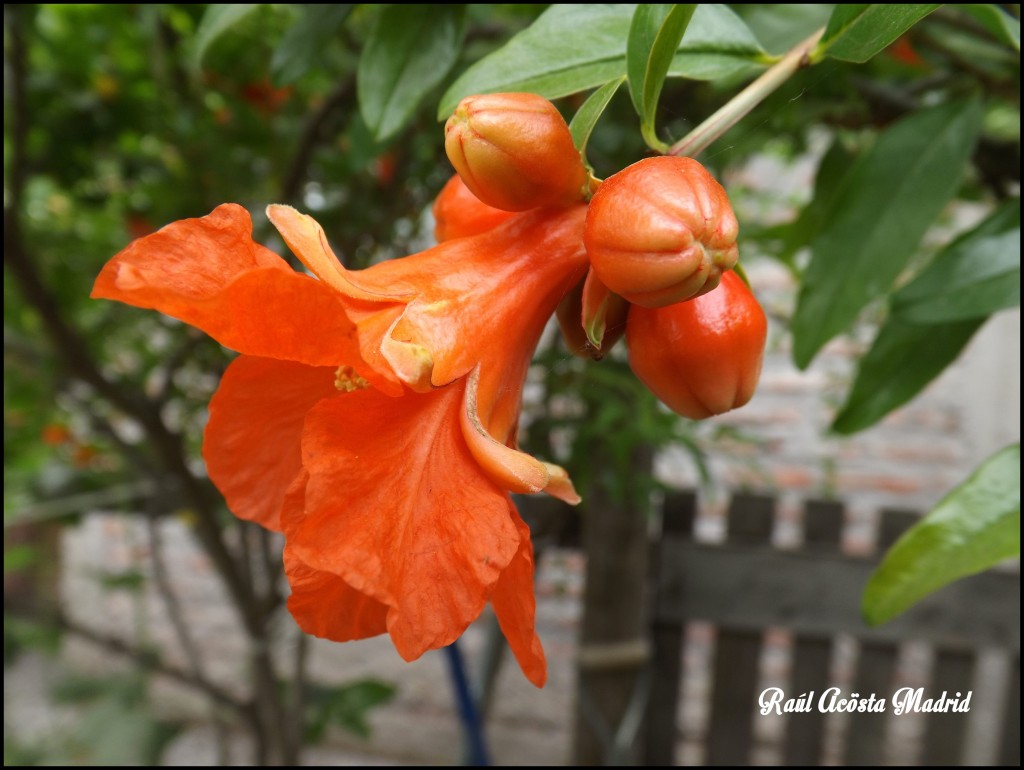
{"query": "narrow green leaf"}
(218, 19)
(828, 182)
(586, 117)
(974, 527)
(887, 202)
(856, 32)
(409, 52)
(654, 36)
(302, 45)
(973, 277)
(996, 20)
(902, 360)
(540, 60)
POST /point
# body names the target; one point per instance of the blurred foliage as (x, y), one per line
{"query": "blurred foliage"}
(121, 118)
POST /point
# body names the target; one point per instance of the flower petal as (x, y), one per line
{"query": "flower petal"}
(322, 603)
(508, 467)
(308, 242)
(252, 443)
(397, 507)
(209, 273)
(516, 607)
(488, 295)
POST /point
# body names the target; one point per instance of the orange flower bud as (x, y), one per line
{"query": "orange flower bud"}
(458, 213)
(515, 152)
(701, 357)
(661, 231)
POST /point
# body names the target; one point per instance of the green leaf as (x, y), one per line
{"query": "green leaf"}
(828, 182)
(974, 527)
(409, 52)
(586, 117)
(718, 44)
(20, 557)
(218, 19)
(1001, 24)
(973, 277)
(902, 360)
(856, 32)
(346, 706)
(126, 580)
(654, 36)
(303, 43)
(887, 202)
(780, 26)
(572, 48)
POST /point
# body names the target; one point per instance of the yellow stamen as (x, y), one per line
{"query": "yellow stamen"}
(347, 380)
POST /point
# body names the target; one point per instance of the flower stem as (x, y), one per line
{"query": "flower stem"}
(729, 115)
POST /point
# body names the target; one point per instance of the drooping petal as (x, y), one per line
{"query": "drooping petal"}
(322, 603)
(508, 467)
(209, 273)
(516, 607)
(252, 443)
(397, 508)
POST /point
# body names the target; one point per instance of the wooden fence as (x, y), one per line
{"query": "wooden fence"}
(801, 604)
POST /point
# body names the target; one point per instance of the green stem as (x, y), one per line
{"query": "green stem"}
(801, 55)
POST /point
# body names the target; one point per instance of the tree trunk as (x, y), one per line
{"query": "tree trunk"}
(613, 639)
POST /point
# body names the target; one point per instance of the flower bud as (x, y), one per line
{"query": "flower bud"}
(458, 213)
(514, 152)
(700, 357)
(661, 231)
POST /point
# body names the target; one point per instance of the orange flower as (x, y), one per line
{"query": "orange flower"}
(373, 415)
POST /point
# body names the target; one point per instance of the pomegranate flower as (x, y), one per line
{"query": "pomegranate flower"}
(372, 416)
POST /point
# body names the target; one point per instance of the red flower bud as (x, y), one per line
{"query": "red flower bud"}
(661, 231)
(701, 357)
(458, 213)
(515, 152)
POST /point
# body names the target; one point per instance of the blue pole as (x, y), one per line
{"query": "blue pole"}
(468, 714)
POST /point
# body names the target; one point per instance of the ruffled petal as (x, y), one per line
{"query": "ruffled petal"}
(397, 508)
(252, 443)
(326, 606)
(209, 273)
(322, 603)
(516, 607)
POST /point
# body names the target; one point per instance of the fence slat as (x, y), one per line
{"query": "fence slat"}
(865, 734)
(730, 736)
(678, 515)
(738, 652)
(1009, 750)
(946, 731)
(876, 665)
(812, 655)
